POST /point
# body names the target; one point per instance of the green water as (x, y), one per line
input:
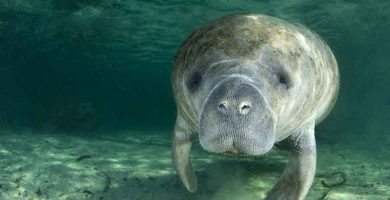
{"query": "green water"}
(116, 56)
(85, 66)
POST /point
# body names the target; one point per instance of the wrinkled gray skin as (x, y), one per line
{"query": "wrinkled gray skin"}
(245, 82)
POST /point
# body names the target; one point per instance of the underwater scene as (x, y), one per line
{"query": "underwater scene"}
(102, 99)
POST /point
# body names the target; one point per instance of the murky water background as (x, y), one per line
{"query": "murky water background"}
(83, 66)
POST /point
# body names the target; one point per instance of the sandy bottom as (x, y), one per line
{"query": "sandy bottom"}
(137, 166)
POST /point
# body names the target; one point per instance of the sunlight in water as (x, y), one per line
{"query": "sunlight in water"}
(87, 110)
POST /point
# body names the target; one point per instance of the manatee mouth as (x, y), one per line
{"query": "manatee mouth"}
(232, 150)
(236, 119)
(245, 143)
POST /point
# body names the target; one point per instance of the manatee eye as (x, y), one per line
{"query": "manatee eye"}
(284, 80)
(194, 81)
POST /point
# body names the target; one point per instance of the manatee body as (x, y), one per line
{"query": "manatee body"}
(245, 82)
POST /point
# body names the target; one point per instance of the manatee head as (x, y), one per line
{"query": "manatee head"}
(238, 77)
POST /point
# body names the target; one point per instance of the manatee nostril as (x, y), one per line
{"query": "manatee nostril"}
(244, 108)
(223, 106)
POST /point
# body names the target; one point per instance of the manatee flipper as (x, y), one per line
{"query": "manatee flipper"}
(298, 176)
(181, 155)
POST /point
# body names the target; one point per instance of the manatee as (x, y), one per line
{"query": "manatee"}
(244, 83)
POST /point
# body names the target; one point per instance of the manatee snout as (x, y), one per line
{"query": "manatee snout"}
(236, 118)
